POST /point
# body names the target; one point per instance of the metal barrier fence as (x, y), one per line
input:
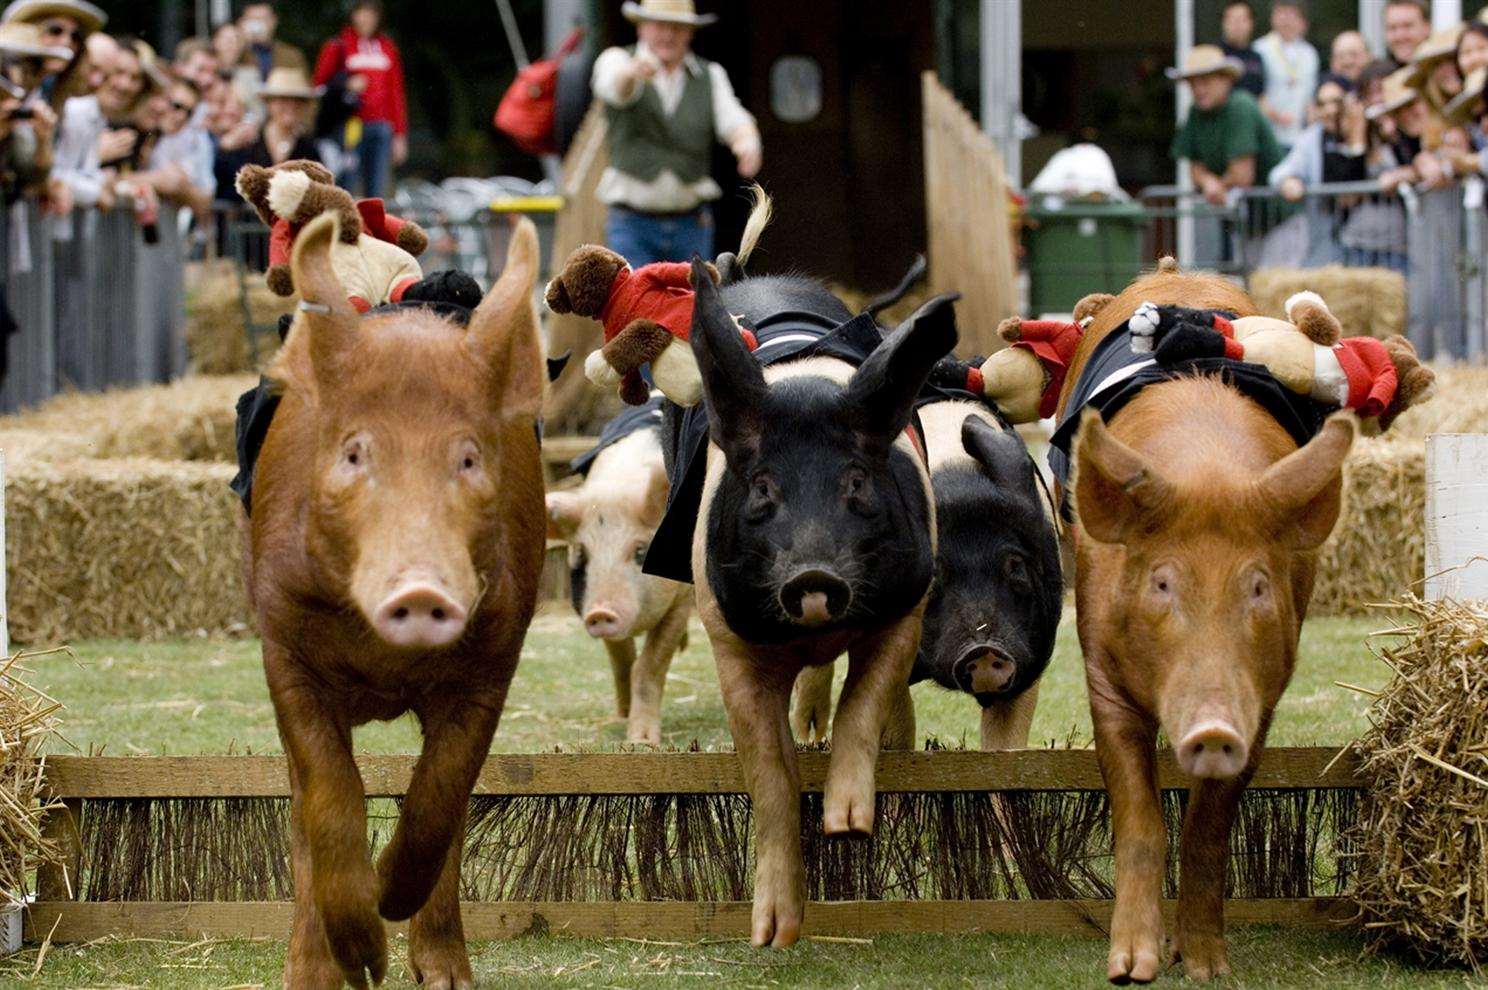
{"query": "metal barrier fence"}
(1434, 238)
(96, 306)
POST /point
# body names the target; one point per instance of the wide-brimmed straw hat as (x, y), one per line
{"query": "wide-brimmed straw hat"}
(666, 11)
(1399, 92)
(1462, 108)
(1206, 60)
(290, 84)
(88, 17)
(1438, 46)
(24, 40)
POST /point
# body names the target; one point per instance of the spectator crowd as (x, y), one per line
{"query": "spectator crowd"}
(90, 120)
(1267, 111)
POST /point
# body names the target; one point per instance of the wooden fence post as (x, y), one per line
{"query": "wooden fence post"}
(1457, 516)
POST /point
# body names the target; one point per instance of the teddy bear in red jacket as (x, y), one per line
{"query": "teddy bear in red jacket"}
(647, 317)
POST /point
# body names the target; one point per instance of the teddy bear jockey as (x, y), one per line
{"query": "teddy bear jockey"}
(647, 317)
(1024, 379)
(375, 257)
(1307, 353)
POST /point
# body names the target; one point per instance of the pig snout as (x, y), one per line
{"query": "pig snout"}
(419, 614)
(1214, 749)
(603, 623)
(984, 670)
(815, 597)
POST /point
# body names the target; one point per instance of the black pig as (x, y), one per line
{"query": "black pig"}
(815, 536)
(994, 606)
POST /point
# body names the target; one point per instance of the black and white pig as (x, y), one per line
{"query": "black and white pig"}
(814, 536)
(995, 603)
(608, 523)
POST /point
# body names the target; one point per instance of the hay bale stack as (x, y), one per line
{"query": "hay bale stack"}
(1378, 549)
(1369, 302)
(135, 549)
(21, 445)
(28, 718)
(1460, 406)
(1422, 835)
(216, 339)
(192, 419)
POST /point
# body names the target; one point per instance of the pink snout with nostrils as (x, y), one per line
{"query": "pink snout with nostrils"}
(419, 614)
(1213, 749)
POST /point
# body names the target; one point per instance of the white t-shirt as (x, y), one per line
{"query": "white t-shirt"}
(1291, 78)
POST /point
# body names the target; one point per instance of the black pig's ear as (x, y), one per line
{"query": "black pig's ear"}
(883, 392)
(1000, 453)
(734, 389)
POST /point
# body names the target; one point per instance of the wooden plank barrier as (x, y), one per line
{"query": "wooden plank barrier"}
(77, 779)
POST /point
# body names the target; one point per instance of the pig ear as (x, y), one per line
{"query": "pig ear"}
(564, 514)
(1117, 493)
(503, 329)
(1301, 490)
(326, 315)
(883, 391)
(1000, 453)
(734, 389)
(654, 498)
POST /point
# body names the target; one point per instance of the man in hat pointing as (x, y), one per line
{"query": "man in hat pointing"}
(666, 109)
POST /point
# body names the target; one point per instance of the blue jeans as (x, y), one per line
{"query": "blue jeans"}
(375, 157)
(646, 237)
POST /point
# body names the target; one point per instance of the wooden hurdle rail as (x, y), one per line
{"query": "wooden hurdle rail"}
(76, 779)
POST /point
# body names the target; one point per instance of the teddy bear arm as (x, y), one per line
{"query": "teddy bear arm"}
(1287, 354)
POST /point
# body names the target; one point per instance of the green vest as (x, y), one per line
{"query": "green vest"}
(644, 141)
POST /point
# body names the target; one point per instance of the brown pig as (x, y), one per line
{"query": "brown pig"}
(396, 542)
(1198, 522)
(608, 523)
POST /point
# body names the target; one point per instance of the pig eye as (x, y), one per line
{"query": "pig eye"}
(467, 456)
(1259, 587)
(763, 496)
(1016, 568)
(1161, 581)
(354, 452)
(640, 554)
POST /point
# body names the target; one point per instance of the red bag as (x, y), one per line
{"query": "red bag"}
(527, 111)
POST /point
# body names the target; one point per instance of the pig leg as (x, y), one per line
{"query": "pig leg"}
(811, 704)
(1006, 724)
(877, 672)
(757, 698)
(436, 937)
(899, 727)
(457, 736)
(330, 811)
(648, 676)
(622, 661)
(309, 964)
(1204, 856)
(1124, 745)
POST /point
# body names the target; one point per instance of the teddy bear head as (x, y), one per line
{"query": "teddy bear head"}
(583, 286)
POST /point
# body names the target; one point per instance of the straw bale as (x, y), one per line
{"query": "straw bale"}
(1378, 550)
(1422, 833)
(136, 549)
(28, 718)
(192, 419)
(216, 340)
(1369, 302)
(21, 445)
(1460, 404)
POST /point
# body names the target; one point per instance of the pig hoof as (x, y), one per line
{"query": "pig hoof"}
(645, 735)
(1204, 956)
(777, 924)
(849, 816)
(358, 942)
(311, 970)
(439, 964)
(1134, 960)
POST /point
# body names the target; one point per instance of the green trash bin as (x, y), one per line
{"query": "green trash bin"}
(1074, 248)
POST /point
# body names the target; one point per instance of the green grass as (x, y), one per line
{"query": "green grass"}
(190, 697)
(208, 696)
